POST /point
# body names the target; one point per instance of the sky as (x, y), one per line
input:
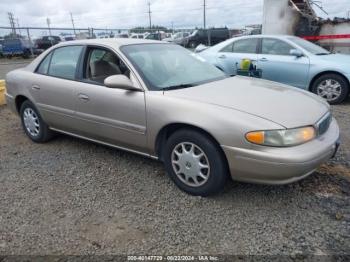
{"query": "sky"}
(130, 13)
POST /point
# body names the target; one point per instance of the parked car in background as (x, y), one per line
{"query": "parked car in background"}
(160, 100)
(154, 36)
(69, 38)
(286, 59)
(178, 38)
(47, 41)
(122, 35)
(1, 43)
(210, 36)
(137, 36)
(18, 47)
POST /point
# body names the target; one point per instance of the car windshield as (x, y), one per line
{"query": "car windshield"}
(168, 66)
(308, 46)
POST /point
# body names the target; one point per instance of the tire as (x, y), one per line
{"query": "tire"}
(192, 45)
(212, 164)
(332, 87)
(33, 125)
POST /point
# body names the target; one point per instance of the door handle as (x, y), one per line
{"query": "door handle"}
(83, 97)
(36, 87)
(222, 56)
(263, 59)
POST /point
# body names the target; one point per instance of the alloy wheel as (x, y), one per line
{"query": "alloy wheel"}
(329, 89)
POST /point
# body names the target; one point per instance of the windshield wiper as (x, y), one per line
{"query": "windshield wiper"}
(322, 53)
(177, 87)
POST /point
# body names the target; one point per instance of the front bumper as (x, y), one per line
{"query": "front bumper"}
(10, 101)
(272, 165)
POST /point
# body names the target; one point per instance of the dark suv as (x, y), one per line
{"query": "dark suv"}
(211, 36)
(47, 41)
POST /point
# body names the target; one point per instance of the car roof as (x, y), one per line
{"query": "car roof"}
(111, 42)
(261, 35)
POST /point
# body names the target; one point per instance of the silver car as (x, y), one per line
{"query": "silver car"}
(160, 100)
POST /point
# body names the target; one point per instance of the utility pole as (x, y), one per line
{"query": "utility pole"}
(19, 29)
(71, 17)
(149, 15)
(12, 23)
(48, 25)
(204, 18)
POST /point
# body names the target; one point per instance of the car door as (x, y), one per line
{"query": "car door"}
(277, 64)
(230, 57)
(53, 86)
(110, 115)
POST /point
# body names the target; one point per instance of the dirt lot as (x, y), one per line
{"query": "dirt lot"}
(75, 197)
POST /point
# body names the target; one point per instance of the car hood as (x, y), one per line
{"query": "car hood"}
(287, 106)
(339, 59)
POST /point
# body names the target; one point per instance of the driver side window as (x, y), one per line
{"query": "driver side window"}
(102, 63)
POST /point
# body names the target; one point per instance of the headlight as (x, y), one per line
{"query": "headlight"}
(282, 138)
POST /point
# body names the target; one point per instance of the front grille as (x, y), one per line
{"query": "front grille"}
(323, 125)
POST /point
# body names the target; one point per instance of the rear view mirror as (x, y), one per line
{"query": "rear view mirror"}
(121, 82)
(296, 52)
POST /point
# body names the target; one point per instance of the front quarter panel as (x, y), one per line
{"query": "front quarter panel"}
(226, 125)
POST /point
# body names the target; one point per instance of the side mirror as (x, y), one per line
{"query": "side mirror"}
(121, 82)
(296, 52)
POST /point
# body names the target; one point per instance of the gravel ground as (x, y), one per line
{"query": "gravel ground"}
(73, 197)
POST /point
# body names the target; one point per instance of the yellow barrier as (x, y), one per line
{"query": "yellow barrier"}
(2, 92)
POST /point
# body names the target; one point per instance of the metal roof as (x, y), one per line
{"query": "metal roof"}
(304, 8)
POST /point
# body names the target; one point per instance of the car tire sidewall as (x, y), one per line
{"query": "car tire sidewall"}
(44, 132)
(218, 174)
(341, 80)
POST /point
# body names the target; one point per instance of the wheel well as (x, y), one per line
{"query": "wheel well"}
(324, 73)
(19, 101)
(170, 129)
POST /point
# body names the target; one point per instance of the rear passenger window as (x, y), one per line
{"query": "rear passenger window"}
(272, 46)
(64, 62)
(44, 65)
(227, 49)
(247, 46)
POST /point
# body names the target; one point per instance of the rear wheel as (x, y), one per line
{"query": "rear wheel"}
(34, 126)
(195, 163)
(332, 87)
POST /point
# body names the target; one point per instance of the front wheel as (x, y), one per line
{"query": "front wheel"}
(192, 45)
(332, 87)
(195, 163)
(34, 126)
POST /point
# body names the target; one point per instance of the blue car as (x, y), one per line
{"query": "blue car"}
(286, 59)
(17, 46)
